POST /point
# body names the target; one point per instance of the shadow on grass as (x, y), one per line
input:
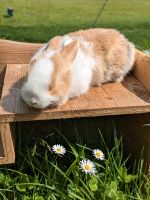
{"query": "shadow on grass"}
(7, 16)
(36, 33)
(136, 33)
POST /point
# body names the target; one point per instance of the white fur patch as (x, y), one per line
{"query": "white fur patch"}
(82, 71)
(41, 71)
(66, 40)
(82, 68)
(39, 52)
(35, 91)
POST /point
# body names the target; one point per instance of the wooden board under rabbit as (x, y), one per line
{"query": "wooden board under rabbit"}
(127, 97)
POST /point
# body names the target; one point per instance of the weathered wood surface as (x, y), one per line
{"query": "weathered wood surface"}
(7, 151)
(2, 74)
(16, 52)
(142, 68)
(111, 99)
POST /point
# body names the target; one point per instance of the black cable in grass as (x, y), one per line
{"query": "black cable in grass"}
(100, 12)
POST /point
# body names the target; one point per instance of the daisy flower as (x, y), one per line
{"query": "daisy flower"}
(59, 149)
(98, 154)
(87, 166)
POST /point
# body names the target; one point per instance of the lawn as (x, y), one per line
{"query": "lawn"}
(39, 20)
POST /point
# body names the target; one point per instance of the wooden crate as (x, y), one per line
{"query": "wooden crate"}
(132, 96)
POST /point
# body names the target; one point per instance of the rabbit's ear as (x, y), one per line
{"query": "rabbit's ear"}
(69, 52)
(54, 43)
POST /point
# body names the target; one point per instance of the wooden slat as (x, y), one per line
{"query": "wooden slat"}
(111, 99)
(2, 74)
(7, 152)
(16, 52)
(142, 68)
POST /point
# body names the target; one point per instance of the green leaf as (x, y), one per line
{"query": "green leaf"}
(73, 196)
(121, 195)
(31, 187)
(70, 187)
(21, 188)
(120, 172)
(26, 198)
(25, 178)
(129, 178)
(111, 190)
(7, 181)
(2, 178)
(93, 184)
(113, 185)
(75, 153)
(39, 198)
(124, 175)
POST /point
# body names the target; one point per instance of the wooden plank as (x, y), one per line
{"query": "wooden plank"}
(2, 74)
(110, 99)
(16, 52)
(142, 68)
(7, 152)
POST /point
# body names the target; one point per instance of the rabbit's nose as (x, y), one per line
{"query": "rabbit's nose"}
(33, 101)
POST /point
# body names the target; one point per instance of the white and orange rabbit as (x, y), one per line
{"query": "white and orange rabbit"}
(68, 65)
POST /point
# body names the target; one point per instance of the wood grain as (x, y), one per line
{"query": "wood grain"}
(110, 99)
(16, 52)
(2, 74)
(7, 151)
(142, 68)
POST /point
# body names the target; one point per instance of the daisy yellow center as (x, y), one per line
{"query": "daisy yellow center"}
(59, 150)
(98, 154)
(87, 167)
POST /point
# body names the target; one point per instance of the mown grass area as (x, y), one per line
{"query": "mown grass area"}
(39, 20)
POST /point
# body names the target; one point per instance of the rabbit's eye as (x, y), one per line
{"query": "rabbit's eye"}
(33, 61)
(51, 86)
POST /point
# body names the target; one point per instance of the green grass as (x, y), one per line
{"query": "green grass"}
(39, 20)
(40, 174)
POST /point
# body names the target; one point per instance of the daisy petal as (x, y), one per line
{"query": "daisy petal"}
(87, 166)
(59, 149)
(98, 154)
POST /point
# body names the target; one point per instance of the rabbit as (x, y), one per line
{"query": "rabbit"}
(69, 65)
